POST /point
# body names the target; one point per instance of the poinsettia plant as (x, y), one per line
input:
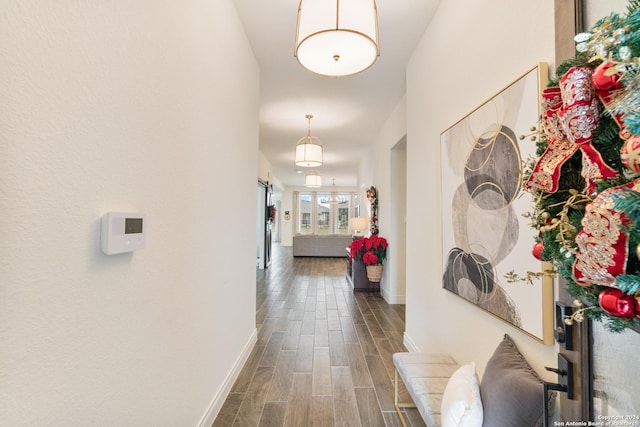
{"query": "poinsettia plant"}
(370, 250)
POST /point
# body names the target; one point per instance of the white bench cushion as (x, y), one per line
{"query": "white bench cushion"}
(425, 376)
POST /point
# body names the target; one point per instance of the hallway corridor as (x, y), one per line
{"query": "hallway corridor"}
(323, 355)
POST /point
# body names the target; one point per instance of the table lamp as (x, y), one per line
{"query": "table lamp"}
(358, 224)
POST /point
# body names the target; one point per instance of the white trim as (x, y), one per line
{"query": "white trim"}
(393, 299)
(409, 343)
(218, 400)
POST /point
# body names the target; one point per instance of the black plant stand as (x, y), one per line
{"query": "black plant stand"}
(373, 292)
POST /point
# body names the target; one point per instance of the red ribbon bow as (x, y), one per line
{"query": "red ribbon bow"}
(570, 115)
(603, 248)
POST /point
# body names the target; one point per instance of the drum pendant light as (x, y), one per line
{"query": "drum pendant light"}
(308, 149)
(337, 37)
(313, 180)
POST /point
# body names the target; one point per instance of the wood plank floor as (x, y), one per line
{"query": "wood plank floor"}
(323, 355)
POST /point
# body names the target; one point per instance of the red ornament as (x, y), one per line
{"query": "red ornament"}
(630, 154)
(616, 303)
(538, 248)
(606, 78)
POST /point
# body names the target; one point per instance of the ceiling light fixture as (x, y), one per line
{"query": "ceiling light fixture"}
(313, 180)
(333, 199)
(308, 149)
(337, 38)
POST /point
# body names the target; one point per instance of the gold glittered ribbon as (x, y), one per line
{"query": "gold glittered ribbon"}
(570, 115)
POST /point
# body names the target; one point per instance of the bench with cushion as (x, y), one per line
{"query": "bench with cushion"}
(425, 376)
(446, 394)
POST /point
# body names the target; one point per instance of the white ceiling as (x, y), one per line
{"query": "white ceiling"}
(348, 111)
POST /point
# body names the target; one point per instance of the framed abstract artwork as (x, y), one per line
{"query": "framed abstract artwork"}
(485, 233)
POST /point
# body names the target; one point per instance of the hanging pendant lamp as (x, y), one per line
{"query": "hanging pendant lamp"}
(308, 149)
(337, 37)
(313, 180)
(333, 198)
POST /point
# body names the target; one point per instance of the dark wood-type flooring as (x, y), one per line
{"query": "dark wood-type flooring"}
(323, 355)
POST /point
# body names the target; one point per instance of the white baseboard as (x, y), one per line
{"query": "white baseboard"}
(218, 400)
(409, 343)
(393, 299)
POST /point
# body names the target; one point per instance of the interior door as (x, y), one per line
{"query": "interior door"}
(268, 224)
(573, 341)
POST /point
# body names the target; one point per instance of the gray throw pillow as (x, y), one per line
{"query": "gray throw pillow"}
(512, 393)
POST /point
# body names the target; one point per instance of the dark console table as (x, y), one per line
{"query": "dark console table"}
(357, 275)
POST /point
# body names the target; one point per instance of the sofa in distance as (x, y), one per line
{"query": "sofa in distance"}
(315, 245)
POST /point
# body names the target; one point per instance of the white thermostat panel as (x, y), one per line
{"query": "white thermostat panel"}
(122, 232)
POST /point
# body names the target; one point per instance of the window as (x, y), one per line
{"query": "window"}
(304, 216)
(323, 218)
(317, 215)
(343, 209)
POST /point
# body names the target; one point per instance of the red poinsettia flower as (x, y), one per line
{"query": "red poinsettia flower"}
(378, 242)
(369, 258)
(357, 249)
(368, 244)
(371, 250)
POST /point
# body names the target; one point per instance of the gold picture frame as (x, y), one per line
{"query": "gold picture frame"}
(485, 235)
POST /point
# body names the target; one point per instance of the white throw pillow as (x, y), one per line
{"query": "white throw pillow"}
(461, 404)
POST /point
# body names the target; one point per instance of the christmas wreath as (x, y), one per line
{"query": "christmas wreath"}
(586, 180)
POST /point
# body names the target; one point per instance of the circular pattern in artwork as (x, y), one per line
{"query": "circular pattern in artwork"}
(492, 169)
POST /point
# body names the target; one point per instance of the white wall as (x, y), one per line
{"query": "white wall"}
(376, 169)
(265, 169)
(470, 51)
(144, 106)
(398, 201)
(594, 10)
(286, 238)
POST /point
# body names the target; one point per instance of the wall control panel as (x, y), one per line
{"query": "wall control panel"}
(122, 232)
